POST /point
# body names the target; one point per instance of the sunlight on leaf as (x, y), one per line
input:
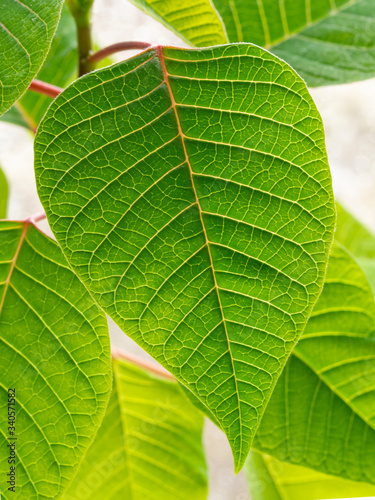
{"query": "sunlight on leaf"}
(55, 353)
(190, 191)
(325, 42)
(270, 479)
(322, 412)
(4, 192)
(358, 240)
(148, 446)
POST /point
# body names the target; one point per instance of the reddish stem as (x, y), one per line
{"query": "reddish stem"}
(45, 88)
(33, 219)
(144, 363)
(117, 47)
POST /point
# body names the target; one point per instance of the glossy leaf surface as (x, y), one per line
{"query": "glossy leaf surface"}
(26, 32)
(270, 479)
(322, 412)
(326, 42)
(149, 446)
(55, 353)
(190, 191)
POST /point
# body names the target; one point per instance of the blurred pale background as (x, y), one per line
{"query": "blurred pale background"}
(348, 113)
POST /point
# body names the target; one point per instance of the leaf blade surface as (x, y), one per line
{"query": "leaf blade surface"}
(26, 32)
(321, 414)
(149, 444)
(55, 353)
(183, 237)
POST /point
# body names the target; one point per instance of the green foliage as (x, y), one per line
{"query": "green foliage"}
(358, 240)
(270, 479)
(322, 412)
(197, 209)
(4, 191)
(60, 69)
(26, 32)
(149, 445)
(55, 353)
(195, 21)
(326, 42)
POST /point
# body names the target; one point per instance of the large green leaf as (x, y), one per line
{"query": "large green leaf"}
(322, 412)
(358, 240)
(270, 479)
(190, 191)
(326, 41)
(3, 195)
(149, 446)
(55, 354)
(26, 32)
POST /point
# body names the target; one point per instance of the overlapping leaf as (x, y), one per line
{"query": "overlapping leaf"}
(358, 240)
(3, 195)
(196, 21)
(327, 42)
(190, 191)
(55, 354)
(322, 412)
(59, 69)
(26, 32)
(148, 447)
(270, 479)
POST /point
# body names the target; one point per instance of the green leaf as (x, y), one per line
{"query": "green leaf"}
(358, 240)
(270, 479)
(327, 42)
(4, 191)
(195, 21)
(322, 412)
(15, 116)
(149, 444)
(190, 192)
(55, 353)
(26, 32)
(60, 69)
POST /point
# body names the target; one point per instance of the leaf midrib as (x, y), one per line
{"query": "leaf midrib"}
(13, 264)
(159, 50)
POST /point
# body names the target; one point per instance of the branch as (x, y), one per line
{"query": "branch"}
(81, 12)
(37, 217)
(117, 47)
(45, 88)
(144, 363)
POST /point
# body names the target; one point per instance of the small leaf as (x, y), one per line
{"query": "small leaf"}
(326, 42)
(358, 240)
(4, 191)
(322, 412)
(149, 445)
(270, 479)
(55, 353)
(190, 192)
(26, 32)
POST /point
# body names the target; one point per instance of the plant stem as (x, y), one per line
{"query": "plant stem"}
(84, 48)
(117, 47)
(144, 363)
(37, 217)
(45, 88)
(81, 11)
